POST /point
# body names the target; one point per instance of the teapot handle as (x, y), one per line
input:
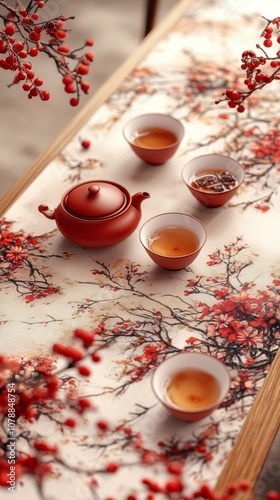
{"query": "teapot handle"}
(44, 209)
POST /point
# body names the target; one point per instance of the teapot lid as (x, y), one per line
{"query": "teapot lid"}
(95, 199)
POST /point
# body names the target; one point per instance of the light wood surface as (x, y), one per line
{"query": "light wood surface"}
(260, 428)
(257, 435)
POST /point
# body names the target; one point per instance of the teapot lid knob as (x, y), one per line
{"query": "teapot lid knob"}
(93, 189)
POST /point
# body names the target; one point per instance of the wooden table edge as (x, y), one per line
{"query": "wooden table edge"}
(261, 425)
(256, 436)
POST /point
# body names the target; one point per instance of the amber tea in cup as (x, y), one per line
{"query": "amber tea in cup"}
(193, 389)
(154, 137)
(173, 241)
(191, 385)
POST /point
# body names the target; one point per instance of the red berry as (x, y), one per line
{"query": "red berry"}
(84, 403)
(267, 43)
(67, 80)
(21, 75)
(18, 46)
(43, 446)
(63, 49)
(85, 87)
(101, 424)
(240, 108)
(86, 144)
(3, 48)
(84, 371)
(244, 485)
(38, 82)
(22, 54)
(82, 70)
(174, 468)
(27, 86)
(112, 467)
(61, 33)
(33, 52)
(267, 79)
(10, 29)
(269, 29)
(273, 495)
(95, 357)
(45, 95)
(235, 96)
(70, 422)
(34, 92)
(67, 351)
(259, 77)
(26, 20)
(174, 485)
(86, 337)
(74, 101)
(229, 94)
(69, 89)
(90, 56)
(34, 37)
(231, 104)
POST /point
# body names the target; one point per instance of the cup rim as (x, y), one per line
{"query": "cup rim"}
(167, 402)
(179, 135)
(175, 257)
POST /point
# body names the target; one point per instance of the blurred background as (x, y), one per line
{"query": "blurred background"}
(27, 127)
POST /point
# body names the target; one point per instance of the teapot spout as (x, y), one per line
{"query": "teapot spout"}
(137, 199)
(44, 209)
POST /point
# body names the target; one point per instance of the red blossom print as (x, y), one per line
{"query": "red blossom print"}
(269, 147)
(222, 293)
(145, 361)
(20, 253)
(245, 334)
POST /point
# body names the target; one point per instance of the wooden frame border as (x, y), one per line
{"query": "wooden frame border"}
(254, 441)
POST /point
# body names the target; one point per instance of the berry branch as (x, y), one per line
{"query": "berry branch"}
(261, 69)
(24, 36)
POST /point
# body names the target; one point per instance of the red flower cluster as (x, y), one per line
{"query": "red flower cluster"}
(24, 36)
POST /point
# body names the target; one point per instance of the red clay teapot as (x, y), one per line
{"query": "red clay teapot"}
(97, 213)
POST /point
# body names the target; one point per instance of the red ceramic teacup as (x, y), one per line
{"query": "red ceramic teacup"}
(213, 179)
(154, 137)
(200, 384)
(173, 240)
